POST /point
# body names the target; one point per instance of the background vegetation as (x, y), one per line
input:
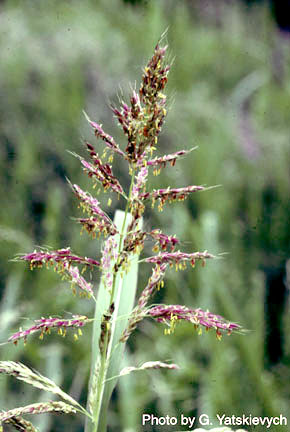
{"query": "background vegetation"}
(230, 93)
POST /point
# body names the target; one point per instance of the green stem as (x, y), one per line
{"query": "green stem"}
(122, 231)
(107, 348)
(100, 384)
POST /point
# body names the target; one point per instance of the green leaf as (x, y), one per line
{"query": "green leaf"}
(124, 296)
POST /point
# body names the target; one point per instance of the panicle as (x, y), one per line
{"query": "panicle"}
(44, 325)
(171, 314)
(141, 119)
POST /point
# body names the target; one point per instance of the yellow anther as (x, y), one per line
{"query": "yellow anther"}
(218, 335)
(155, 248)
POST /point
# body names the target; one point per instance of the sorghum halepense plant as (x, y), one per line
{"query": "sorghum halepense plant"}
(116, 316)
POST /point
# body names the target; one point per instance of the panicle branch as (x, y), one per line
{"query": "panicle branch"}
(101, 173)
(154, 283)
(20, 424)
(38, 408)
(57, 257)
(44, 325)
(62, 260)
(99, 220)
(108, 140)
(179, 258)
(149, 365)
(29, 376)
(171, 314)
(73, 275)
(170, 195)
(160, 162)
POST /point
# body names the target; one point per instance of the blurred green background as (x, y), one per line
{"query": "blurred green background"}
(229, 93)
